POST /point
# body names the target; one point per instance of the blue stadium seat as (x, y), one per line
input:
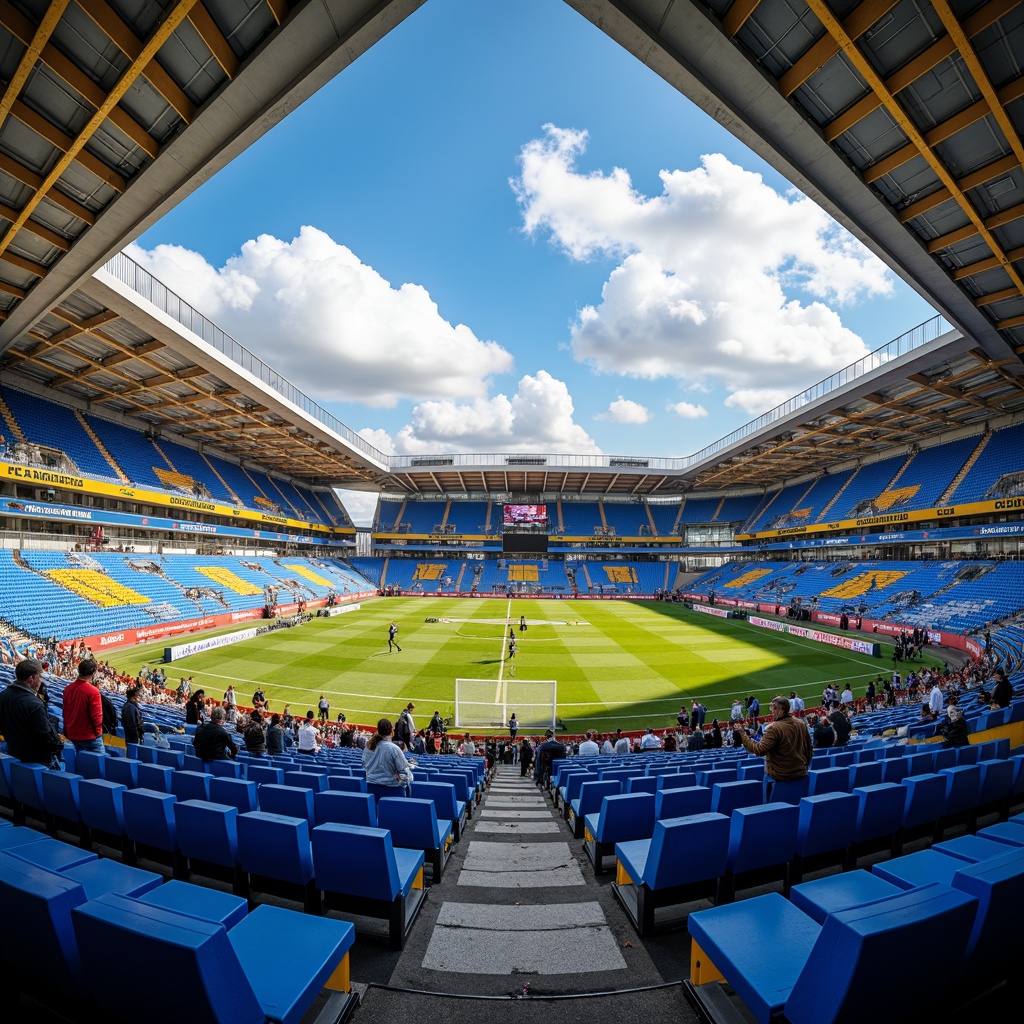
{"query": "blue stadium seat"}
(275, 853)
(186, 785)
(414, 825)
(346, 784)
(361, 872)
(234, 792)
(727, 796)
(762, 844)
(681, 803)
(825, 831)
(345, 809)
(620, 819)
(149, 821)
(291, 801)
(819, 974)
(589, 801)
(447, 804)
(208, 837)
(879, 820)
(308, 955)
(155, 776)
(681, 862)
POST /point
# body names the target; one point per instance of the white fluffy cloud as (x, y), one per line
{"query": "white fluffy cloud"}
(623, 410)
(331, 324)
(538, 418)
(706, 274)
(689, 411)
(360, 506)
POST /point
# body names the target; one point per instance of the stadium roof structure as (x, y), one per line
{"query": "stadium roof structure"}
(901, 118)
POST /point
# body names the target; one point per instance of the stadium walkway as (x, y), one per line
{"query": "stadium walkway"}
(519, 912)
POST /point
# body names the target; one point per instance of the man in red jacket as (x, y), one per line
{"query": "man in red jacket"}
(83, 710)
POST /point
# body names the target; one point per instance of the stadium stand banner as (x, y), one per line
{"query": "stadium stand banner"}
(847, 643)
(935, 636)
(161, 631)
(339, 610)
(720, 613)
(974, 508)
(198, 646)
(102, 517)
(74, 482)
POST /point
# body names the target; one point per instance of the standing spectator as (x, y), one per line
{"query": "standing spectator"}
(323, 708)
(796, 703)
(841, 725)
(846, 697)
(546, 752)
(525, 757)
(230, 700)
(309, 738)
(736, 712)
(26, 727)
(83, 710)
(513, 727)
(786, 746)
(195, 708)
(621, 743)
(588, 748)
(405, 728)
(131, 716)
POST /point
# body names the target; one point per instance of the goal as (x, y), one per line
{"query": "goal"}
(489, 704)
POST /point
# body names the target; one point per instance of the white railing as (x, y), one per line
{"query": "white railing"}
(133, 276)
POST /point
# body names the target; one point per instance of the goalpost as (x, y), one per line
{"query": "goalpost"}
(489, 704)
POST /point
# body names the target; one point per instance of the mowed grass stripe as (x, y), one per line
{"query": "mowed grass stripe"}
(627, 664)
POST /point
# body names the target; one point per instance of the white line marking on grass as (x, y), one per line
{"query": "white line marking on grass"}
(501, 690)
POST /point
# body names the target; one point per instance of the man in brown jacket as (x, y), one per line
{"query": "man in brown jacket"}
(785, 747)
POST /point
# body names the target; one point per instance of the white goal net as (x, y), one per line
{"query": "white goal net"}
(489, 704)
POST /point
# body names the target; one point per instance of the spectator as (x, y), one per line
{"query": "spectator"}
(254, 737)
(589, 748)
(546, 752)
(649, 741)
(83, 710)
(309, 738)
(841, 725)
(211, 740)
(621, 743)
(30, 735)
(131, 716)
(954, 730)
(786, 746)
(195, 708)
(383, 761)
(275, 740)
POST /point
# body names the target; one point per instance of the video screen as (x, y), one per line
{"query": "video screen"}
(525, 515)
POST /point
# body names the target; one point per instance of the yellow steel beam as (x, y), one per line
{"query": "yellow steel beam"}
(737, 15)
(160, 35)
(109, 22)
(22, 29)
(1013, 90)
(857, 22)
(968, 181)
(57, 241)
(980, 76)
(864, 68)
(34, 182)
(49, 131)
(210, 34)
(33, 49)
(922, 63)
(990, 263)
(279, 9)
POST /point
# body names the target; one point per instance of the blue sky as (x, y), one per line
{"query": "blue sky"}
(438, 247)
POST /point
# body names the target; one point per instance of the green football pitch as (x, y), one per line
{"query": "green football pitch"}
(618, 664)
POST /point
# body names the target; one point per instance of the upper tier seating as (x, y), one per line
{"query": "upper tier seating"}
(45, 422)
